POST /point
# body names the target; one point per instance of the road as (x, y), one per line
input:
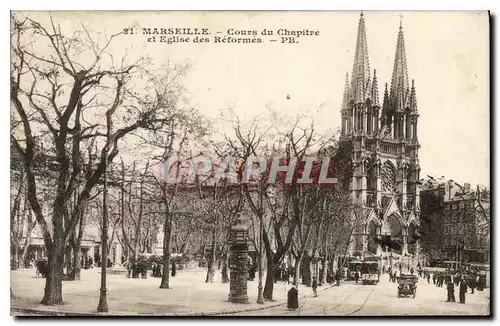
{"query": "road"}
(189, 293)
(380, 300)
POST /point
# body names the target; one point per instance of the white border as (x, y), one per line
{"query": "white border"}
(189, 5)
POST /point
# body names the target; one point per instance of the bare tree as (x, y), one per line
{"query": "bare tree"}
(53, 92)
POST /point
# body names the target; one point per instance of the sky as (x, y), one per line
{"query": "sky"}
(447, 56)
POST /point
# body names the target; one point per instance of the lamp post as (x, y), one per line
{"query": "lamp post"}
(103, 301)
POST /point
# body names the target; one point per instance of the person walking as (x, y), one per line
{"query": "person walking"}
(337, 277)
(472, 284)
(356, 277)
(434, 277)
(173, 270)
(428, 278)
(463, 290)
(315, 286)
(451, 292)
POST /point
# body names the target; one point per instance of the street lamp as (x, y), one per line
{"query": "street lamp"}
(103, 301)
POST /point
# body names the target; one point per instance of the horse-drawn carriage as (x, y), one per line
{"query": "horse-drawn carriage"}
(407, 285)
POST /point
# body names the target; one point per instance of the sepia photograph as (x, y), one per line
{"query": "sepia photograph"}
(250, 163)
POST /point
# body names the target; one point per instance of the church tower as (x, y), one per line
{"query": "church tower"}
(384, 143)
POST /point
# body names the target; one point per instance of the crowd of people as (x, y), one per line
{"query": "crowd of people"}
(463, 281)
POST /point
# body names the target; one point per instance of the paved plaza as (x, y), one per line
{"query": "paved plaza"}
(351, 299)
(190, 295)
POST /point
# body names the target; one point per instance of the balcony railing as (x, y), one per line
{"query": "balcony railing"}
(389, 148)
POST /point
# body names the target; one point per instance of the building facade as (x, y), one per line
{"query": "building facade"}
(454, 226)
(431, 220)
(384, 143)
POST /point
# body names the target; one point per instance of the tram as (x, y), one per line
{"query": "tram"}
(354, 266)
(370, 272)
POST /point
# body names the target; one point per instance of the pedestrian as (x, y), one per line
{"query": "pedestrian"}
(356, 277)
(434, 277)
(428, 278)
(463, 290)
(337, 277)
(38, 270)
(479, 283)
(451, 292)
(293, 298)
(252, 272)
(173, 269)
(472, 284)
(329, 276)
(224, 274)
(315, 286)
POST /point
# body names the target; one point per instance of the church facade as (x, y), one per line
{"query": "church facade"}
(382, 134)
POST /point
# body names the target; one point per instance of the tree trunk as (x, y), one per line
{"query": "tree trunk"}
(77, 249)
(311, 273)
(211, 262)
(269, 286)
(298, 261)
(77, 266)
(27, 241)
(68, 261)
(225, 266)
(165, 277)
(53, 281)
(167, 233)
(324, 264)
(14, 264)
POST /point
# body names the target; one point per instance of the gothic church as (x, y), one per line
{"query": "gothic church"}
(384, 142)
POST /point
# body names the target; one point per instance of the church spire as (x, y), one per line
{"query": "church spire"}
(386, 107)
(374, 90)
(400, 96)
(361, 68)
(346, 97)
(413, 97)
(400, 70)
